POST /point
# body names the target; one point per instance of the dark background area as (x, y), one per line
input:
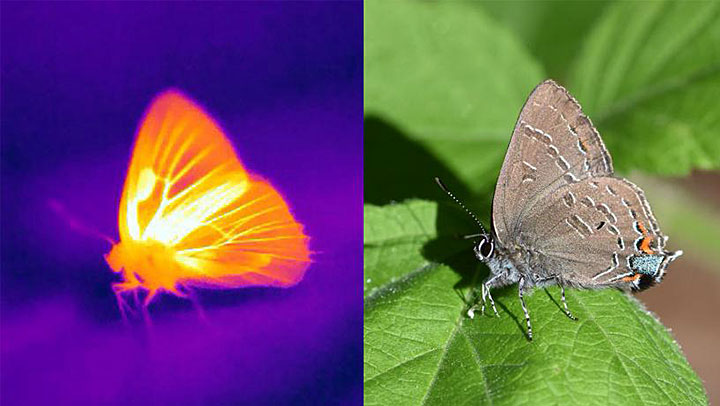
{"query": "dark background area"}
(687, 300)
(285, 82)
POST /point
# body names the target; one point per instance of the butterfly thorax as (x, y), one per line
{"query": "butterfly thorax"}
(148, 264)
(507, 265)
(502, 267)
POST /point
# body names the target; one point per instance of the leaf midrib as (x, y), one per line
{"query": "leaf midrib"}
(619, 356)
(481, 367)
(622, 106)
(445, 348)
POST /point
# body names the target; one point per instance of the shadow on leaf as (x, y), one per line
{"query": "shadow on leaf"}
(398, 168)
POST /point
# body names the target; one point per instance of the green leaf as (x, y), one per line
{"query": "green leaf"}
(649, 77)
(449, 78)
(420, 348)
(553, 31)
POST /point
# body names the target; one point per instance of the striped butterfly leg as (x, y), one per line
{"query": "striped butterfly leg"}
(486, 293)
(521, 289)
(567, 311)
(485, 289)
(562, 295)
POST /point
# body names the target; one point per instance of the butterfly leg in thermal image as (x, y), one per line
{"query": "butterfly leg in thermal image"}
(122, 305)
(132, 305)
(131, 287)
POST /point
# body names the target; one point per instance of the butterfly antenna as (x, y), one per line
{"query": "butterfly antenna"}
(76, 224)
(444, 188)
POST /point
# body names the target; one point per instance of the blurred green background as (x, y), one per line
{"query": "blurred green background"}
(444, 84)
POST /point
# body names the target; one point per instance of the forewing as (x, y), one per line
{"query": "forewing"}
(596, 232)
(187, 190)
(179, 155)
(553, 144)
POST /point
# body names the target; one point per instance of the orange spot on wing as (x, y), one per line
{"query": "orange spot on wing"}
(631, 278)
(584, 144)
(647, 239)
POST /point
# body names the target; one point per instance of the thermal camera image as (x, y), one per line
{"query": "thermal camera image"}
(181, 203)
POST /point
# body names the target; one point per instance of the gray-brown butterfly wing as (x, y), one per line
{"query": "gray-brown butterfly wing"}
(596, 232)
(553, 144)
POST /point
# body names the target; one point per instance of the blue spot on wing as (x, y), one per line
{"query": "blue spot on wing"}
(646, 264)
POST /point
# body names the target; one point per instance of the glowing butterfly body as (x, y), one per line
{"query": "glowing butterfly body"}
(191, 215)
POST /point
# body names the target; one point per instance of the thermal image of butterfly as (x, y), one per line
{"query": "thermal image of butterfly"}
(192, 216)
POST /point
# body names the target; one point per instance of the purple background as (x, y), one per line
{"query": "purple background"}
(285, 81)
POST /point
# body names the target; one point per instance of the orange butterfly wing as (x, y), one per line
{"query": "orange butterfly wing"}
(191, 215)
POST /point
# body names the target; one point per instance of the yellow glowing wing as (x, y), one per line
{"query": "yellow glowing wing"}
(188, 195)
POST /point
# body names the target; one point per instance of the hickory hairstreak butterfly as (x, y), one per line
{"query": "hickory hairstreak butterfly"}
(560, 215)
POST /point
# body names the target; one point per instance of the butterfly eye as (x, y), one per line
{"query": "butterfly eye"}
(484, 249)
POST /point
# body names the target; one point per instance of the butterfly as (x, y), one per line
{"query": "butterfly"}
(191, 215)
(559, 213)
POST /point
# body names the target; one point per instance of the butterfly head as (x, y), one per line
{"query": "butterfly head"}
(485, 248)
(114, 258)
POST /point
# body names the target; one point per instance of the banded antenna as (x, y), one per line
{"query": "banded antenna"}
(443, 187)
